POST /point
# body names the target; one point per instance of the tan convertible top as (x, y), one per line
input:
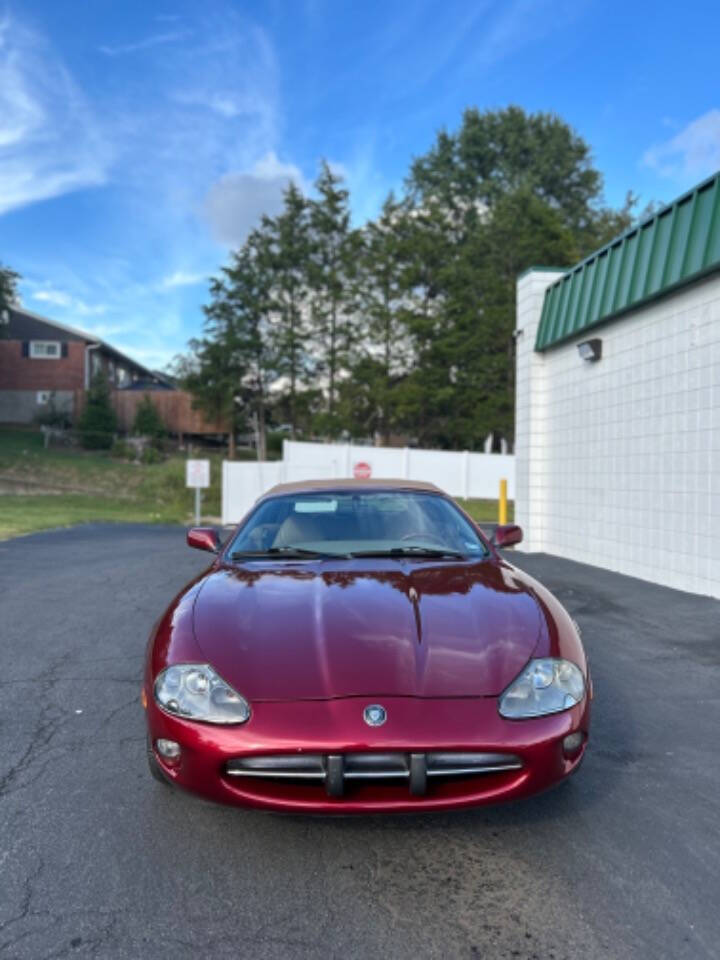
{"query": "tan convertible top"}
(339, 486)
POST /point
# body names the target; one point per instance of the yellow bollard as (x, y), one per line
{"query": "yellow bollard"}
(502, 503)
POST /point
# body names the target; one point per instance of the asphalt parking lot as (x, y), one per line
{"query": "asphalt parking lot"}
(98, 860)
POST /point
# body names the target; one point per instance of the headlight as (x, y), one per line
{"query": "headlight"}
(195, 691)
(544, 686)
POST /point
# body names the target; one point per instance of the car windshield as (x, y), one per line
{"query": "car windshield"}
(364, 523)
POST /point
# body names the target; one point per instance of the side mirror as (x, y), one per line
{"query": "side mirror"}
(507, 535)
(203, 538)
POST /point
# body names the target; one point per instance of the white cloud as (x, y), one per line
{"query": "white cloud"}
(49, 143)
(692, 153)
(180, 278)
(212, 109)
(145, 44)
(512, 26)
(226, 103)
(55, 297)
(237, 201)
(196, 132)
(58, 298)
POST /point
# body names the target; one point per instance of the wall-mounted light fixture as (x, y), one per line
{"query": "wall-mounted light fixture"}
(590, 350)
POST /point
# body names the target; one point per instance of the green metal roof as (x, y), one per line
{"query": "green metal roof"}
(675, 246)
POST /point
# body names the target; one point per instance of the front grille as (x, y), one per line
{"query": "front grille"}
(335, 770)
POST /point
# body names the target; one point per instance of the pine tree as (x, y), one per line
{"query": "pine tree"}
(239, 317)
(8, 286)
(332, 261)
(405, 326)
(8, 295)
(98, 421)
(207, 373)
(148, 422)
(383, 352)
(283, 249)
(230, 367)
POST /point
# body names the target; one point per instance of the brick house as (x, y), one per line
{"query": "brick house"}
(43, 362)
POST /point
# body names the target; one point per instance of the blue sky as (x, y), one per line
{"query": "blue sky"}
(140, 141)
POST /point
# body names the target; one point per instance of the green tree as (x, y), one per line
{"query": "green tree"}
(8, 292)
(462, 385)
(283, 250)
(238, 318)
(332, 253)
(230, 366)
(148, 422)
(407, 325)
(98, 421)
(208, 372)
(382, 353)
(500, 152)
(505, 191)
(8, 286)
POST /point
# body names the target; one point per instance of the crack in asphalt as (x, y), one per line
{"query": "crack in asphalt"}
(46, 727)
(28, 893)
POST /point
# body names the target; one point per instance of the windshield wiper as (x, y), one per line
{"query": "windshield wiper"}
(432, 552)
(285, 552)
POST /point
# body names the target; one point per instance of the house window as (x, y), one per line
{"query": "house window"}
(45, 349)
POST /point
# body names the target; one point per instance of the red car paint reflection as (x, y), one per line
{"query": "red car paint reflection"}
(310, 643)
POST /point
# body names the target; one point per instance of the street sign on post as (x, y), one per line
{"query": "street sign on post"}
(197, 477)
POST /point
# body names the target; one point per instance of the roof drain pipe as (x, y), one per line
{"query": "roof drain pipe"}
(88, 348)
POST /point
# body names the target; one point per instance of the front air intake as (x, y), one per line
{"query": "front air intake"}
(334, 770)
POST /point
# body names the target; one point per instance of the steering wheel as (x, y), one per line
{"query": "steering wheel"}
(424, 536)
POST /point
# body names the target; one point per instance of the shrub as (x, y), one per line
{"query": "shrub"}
(274, 441)
(123, 450)
(148, 422)
(98, 422)
(151, 455)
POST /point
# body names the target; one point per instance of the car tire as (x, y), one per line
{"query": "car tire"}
(154, 765)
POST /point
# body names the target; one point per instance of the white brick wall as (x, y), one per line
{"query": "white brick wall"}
(618, 462)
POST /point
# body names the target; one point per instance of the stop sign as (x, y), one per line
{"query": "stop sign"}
(362, 470)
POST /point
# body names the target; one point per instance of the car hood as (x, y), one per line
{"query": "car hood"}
(386, 628)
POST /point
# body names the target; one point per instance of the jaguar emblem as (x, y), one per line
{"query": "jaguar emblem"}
(375, 715)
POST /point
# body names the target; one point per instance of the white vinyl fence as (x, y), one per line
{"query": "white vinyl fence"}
(459, 474)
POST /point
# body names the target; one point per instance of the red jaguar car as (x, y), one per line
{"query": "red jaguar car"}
(360, 646)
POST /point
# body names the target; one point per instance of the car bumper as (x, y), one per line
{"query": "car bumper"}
(336, 727)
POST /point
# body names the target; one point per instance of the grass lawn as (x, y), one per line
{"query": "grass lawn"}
(29, 513)
(75, 486)
(485, 511)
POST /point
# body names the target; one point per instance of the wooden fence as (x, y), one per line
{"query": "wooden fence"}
(174, 406)
(175, 409)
